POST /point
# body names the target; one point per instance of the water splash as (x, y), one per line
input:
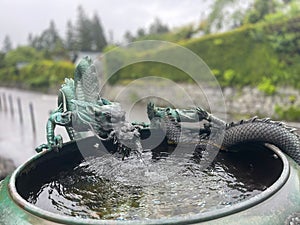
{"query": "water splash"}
(104, 188)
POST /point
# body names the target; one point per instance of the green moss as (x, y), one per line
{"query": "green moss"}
(291, 113)
(267, 87)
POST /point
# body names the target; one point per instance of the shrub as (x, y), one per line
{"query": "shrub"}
(267, 87)
(291, 113)
(45, 73)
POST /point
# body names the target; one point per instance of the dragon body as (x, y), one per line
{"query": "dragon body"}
(265, 131)
(254, 130)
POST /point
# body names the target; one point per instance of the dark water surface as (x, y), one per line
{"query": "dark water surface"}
(151, 188)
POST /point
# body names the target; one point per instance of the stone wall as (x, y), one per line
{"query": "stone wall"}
(245, 102)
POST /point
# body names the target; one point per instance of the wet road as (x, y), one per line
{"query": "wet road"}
(17, 140)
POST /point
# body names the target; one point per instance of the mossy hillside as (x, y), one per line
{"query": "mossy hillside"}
(261, 54)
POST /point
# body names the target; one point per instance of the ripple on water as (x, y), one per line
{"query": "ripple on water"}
(144, 188)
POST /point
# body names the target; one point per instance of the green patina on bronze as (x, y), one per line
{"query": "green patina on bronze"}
(80, 108)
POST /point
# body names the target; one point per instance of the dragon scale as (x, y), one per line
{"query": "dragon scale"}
(263, 130)
(246, 131)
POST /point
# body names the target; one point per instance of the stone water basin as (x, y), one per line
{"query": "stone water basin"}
(84, 184)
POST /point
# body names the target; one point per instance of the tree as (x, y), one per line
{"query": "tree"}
(83, 31)
(22, 54)
(30, 39)
(128, 37)
(157, 27)
(219, 16)
(70, 42)
(89, 33)
(49, 40)
(260, 9)
(141, 32)
(7, 45)
(2, 60)
(99, 39)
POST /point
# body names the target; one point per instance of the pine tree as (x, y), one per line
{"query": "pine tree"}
(49, 39)
(157, 27)
(70, 42)
(83, 30)
(99, 39)
(7, 45)
(128, 37)
(141, 32)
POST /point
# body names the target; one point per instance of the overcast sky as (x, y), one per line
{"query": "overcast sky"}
(18, 18)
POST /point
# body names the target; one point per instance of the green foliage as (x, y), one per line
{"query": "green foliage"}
(2, 57)
(285, 39)
(244, 56)
(8, 75)
(291, 113)
(292, 99)
(260, 9)
(158, 31)
(22, 54)
(266, 86)
(39, 75)
(142, 69)
(44, 74)
(249, 59)
(157, 27)
(229, 76)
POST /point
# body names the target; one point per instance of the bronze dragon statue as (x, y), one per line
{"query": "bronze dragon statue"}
(80, 108)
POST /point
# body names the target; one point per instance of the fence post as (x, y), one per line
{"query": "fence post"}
(20, 110)
(4, 102)
(11, 105)
(0, 103)
(32, 117)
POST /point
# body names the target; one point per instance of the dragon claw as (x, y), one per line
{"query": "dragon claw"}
(41, 148)
(203, 114)
(56, 144)
(58, 140)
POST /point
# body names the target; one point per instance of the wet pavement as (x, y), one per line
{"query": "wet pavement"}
(18, 139)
